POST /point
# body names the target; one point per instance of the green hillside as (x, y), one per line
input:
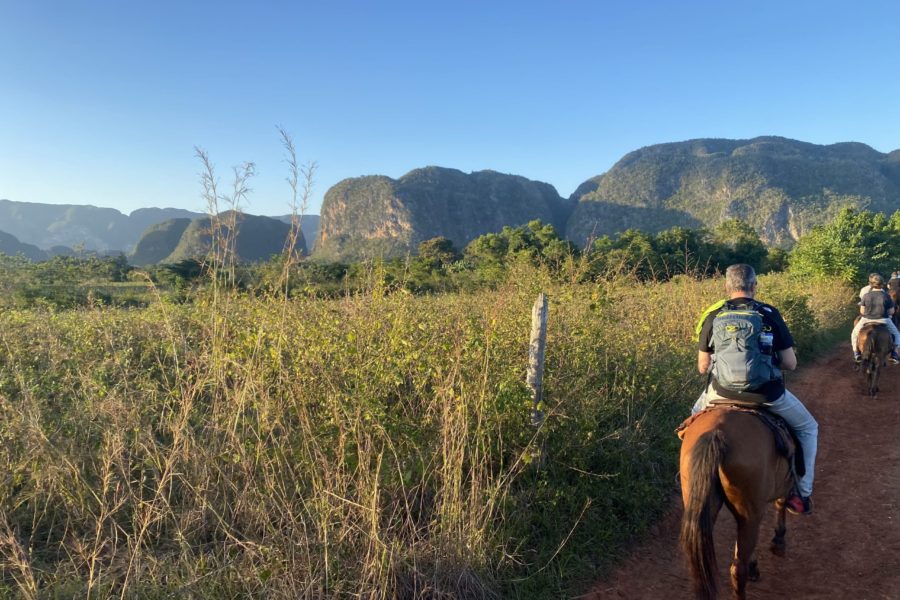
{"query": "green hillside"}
(158, 242)
(781, 187)
(10, 245)
(258, 238)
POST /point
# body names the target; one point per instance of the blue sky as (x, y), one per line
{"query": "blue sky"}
(103, 102)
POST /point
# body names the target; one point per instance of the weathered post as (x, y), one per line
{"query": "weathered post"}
(535, 376)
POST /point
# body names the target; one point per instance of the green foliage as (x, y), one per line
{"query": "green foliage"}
(737, 242)
(186, 270)
(437, 253)
(68, 281)
(854, 244)
(777, 260)
(248, 446)
(535, 241)
(680, 250)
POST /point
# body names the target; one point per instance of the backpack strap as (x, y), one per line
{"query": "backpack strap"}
(709, 310)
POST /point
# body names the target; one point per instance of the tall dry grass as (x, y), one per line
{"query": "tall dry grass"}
(374, 446)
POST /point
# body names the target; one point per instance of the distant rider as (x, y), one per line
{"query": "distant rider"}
(740, 285)
(894, 283)
(875, 306)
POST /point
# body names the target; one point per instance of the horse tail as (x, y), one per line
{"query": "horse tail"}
(705, 499)
(876, 344)
(871, 344)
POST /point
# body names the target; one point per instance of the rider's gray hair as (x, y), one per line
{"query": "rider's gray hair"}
(739, 278)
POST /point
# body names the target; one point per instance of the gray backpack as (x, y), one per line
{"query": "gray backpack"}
(742, 363)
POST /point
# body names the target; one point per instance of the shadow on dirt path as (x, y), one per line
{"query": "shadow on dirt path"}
(850, 547)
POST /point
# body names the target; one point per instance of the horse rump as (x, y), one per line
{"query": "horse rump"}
(877, 341)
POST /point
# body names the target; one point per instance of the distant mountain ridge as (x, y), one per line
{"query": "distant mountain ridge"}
(149, 235)
(94, 228)
(782, 187)
(257, 238)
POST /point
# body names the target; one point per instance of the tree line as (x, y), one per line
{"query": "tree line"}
(852, 245)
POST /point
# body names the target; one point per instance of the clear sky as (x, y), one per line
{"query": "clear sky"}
(102, 102)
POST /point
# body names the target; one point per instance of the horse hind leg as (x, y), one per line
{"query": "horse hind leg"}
(753, 573)
(744, 563)
(875, 369)
(779, 545)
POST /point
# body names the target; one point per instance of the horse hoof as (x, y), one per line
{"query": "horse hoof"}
(753, 572)
(778, 550)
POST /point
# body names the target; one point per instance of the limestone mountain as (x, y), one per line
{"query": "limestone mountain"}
(781, 187)
(257, 238)
(11, 246)
(309, 225)
(91, 227)
(158, 242)
(380, 216)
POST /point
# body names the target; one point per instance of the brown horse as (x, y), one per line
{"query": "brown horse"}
(876, 343)
(729, 456)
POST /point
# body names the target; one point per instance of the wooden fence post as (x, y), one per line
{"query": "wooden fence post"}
(535, 376)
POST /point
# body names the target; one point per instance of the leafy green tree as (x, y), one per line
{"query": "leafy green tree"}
(776, 261)
(437, 253)
(854, 244)
(488, 248)
(738, 242)
(683, 250)
(184, 272)
(536, 241)
(633, 252)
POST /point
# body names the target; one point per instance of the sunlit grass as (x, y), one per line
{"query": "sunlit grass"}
(376, 446)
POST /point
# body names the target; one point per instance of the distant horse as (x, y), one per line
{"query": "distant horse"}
(895, 296)
(876, 343)
(729, 456)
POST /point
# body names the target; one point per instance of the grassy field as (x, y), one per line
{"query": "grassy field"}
(374, 446)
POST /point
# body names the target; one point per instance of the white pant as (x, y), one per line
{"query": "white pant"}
(859, 325)
(803, 424)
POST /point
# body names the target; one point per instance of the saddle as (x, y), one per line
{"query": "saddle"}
(786, 443)
(871, 327)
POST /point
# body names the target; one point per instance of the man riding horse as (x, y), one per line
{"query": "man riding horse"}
(875, 306)
(894, 282)
(749, 368)
(893, 289)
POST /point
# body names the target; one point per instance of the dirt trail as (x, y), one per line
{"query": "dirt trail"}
(850, 547)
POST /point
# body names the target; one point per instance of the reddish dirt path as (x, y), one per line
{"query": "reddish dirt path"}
(848, 549)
